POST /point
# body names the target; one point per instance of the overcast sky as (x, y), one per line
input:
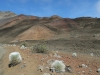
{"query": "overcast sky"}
(46, 8)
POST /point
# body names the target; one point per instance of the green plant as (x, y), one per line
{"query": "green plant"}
(39, 48)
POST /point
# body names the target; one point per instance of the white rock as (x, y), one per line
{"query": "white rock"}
(84, 66)
(57, 56)
(91, 54)
(74, 55)
(23, 47)
(14, 45)
(50, 61)
(40, 67)
(46, 74)
(98, 70)
(47, 67)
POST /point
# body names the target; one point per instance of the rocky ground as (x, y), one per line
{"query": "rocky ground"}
(82, 64)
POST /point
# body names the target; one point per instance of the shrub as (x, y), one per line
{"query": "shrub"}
(59, 66)
(14, 58)
(39, 48)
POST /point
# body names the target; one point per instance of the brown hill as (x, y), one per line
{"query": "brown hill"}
(88, 22)
(34, 28)
(36, 33)
(23, 27)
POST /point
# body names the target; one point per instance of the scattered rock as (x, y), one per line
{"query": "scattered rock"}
(50, 61)
(47, 67)
(14, 44)
(42, 59)
(52, 69)
(68, 69)
(22, 66)
(74, 55)
(24, 62)
(23, 47)
(56, 55)
(40, 67)
(90, 70)
(91, 54)
(84, 66)
(78, 73)
(98, 70)
(46, 74)
(83, 71)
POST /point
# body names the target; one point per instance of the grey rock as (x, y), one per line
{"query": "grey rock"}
(98, 70)
(22, 66)
(68, 69)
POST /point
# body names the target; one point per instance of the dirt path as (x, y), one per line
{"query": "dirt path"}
(2, 52)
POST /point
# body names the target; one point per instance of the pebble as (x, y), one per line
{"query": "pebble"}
(91, 54)
(24, 62)
(84, 66)
(23, 66)
(74, 55)
(78, 73)
(90, 70)
(40, 67)
(68, 69)
(52, 69)
(98, 70)
(46, 74)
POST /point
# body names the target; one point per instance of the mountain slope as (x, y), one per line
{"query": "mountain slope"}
(24, 27)
(6, 14)
(36, 33)
(34, 28)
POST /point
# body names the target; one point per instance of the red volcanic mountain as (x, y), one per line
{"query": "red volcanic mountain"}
(23, 27)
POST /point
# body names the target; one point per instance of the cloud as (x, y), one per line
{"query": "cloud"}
(98, 6)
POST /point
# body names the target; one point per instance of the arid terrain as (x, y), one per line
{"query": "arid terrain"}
(61, 36)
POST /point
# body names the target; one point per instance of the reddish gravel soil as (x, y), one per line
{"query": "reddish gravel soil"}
(33, 60)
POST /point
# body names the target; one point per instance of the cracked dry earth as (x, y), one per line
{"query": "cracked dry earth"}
(31, 61)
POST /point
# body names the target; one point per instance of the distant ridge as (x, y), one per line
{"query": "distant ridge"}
(27, 27)
(6, 14)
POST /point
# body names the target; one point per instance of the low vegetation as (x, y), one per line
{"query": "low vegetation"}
(59, 66)
(39, 48)
(14, 58)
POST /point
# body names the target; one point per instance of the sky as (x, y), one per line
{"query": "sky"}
(47, 8)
